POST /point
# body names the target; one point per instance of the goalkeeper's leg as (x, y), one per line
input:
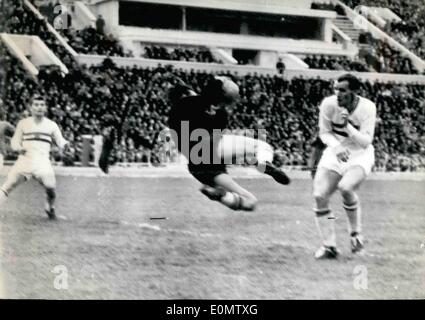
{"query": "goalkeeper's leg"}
(230, 194)
(241, 148)
(219, 186)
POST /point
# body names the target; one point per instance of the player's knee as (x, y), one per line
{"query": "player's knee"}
(345, 188)
(320, 196)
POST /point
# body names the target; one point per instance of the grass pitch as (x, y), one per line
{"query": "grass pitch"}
(106, 246)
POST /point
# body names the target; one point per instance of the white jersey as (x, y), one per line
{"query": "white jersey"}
(332, 130)
(37, 137)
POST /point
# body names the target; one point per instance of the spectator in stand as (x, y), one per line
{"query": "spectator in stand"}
(280, 66)
(335, 63)
(179, 54)
(100, 24)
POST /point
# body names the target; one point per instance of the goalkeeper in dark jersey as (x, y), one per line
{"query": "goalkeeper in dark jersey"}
(197, 123)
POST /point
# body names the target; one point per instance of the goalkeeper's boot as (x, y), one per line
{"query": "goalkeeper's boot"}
(357, 243)
(214, 194)
(276, 173)
(326, 252)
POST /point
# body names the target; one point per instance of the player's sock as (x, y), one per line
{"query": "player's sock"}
(325, 221)
(50, 198)
(353, 211)
(3, 196)
(231, 200)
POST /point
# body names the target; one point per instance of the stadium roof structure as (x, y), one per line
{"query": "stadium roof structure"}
(266, 8)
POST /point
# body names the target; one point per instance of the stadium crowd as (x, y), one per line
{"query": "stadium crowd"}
(381, 57)
(88, 100)
(20, 20)
(329, 6)
(179, 54)
(336, 63)
(90, 41)
(378, 55)
(410, 30)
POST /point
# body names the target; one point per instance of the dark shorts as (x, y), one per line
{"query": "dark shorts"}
(205, 173)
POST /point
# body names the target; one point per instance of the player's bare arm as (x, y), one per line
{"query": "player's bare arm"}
(60, 141)
(16, 141)
(364, 136)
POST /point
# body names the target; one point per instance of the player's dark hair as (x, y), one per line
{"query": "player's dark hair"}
(353, 82)
(37, 96)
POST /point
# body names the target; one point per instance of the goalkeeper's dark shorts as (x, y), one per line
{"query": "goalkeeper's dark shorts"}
(205, 173)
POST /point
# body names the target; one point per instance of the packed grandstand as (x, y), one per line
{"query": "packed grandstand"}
(85, 99)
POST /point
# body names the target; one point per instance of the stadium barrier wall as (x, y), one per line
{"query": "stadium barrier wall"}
(243, 70)
(223, 55)
(83, 15)
(36, 49)
(292, 60)
(370, 14)
(221, 40)
(17, 52)
(361, 22)
(346, 40)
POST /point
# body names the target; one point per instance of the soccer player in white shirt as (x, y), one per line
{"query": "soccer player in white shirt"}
(6, 131)
(346, 127)
(32, 140)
